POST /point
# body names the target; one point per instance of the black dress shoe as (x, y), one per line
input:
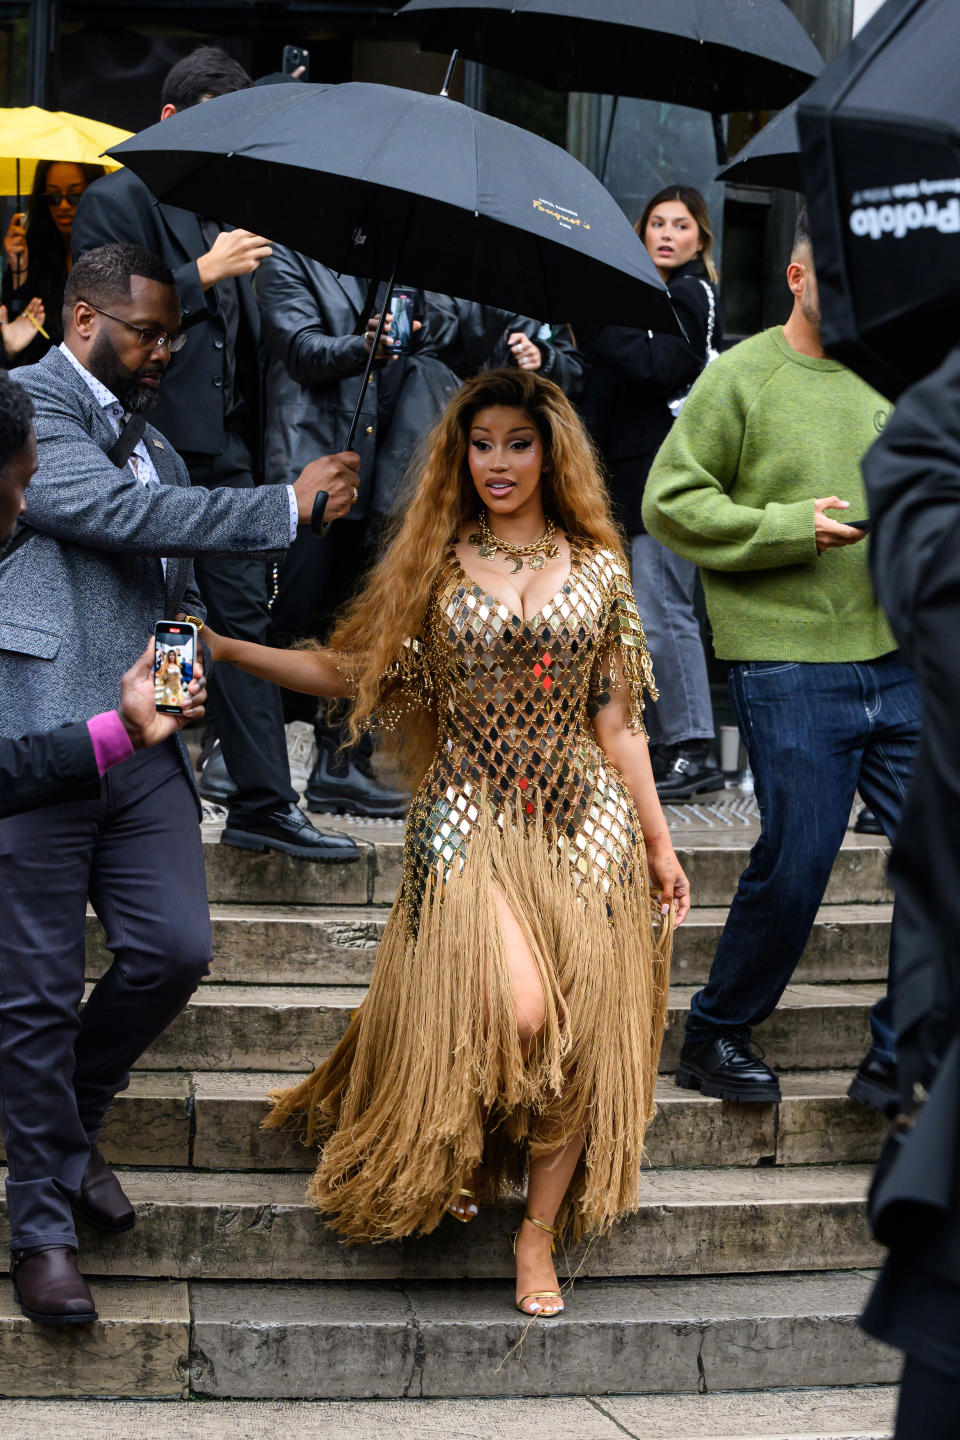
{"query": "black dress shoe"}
(101, 1201)
(690, 770)
(875, 1085)
(287, 829)
(344, 783)
(728, 1069)
(867, 823)
(49, 1288)
(214, 782)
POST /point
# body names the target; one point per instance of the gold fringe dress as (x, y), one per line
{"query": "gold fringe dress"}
(429, 1079)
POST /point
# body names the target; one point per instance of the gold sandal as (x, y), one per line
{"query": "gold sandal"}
(464, 1219)
(538, 1294)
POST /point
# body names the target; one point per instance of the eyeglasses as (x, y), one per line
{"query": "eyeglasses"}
(153, 339)
(54, 198)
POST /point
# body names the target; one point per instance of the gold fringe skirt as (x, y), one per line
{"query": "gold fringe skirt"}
(429, 1081)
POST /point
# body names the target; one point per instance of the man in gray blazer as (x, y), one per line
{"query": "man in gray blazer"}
(106, 553)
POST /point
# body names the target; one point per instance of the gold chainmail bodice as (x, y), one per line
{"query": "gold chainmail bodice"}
(514, 700)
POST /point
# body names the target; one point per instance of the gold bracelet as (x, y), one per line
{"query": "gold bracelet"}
(194, 620)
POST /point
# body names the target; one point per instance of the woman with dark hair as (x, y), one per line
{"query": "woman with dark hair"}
(636, 376)
(517, 1004)
(37, 248)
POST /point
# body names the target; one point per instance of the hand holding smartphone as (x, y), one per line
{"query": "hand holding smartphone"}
(174, 664)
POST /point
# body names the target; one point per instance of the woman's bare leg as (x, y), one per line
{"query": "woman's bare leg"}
(550, 1175)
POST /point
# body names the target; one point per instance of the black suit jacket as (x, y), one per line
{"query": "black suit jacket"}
(47, 769)
(912, 477)
(120, 208)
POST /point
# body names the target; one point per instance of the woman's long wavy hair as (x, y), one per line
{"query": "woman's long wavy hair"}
(392, 605)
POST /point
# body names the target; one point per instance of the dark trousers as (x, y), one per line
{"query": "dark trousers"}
(317, 577)
(136, 852)
(247, 711)
(814, 734)
(929, 1406)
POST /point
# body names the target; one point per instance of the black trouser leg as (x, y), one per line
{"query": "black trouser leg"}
(137, 850)
(148, 887)
(247, 711)
(929, 1404)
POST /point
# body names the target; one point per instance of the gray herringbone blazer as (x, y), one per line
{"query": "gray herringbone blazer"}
(79, 600)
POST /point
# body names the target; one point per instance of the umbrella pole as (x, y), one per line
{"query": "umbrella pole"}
(606, 148)
(720, 140)
(317, 526)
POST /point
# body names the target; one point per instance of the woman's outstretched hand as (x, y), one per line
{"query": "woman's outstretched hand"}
(666, 875)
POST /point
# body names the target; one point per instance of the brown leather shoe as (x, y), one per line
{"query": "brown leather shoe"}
(101, 1201)
(49, 1288)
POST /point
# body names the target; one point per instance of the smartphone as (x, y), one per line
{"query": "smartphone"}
(173, 665)
(858, 524)
(402, 304)
(293, 58)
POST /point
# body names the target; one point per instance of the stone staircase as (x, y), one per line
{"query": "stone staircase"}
(743, 1269)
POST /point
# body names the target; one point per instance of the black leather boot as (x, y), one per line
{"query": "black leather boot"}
(727, 1069)
(875, 1085)
(214, 783)
(49, 1288)
(344, 782)
(690, 769)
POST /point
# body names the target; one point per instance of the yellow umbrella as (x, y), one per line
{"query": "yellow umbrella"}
(29, 134)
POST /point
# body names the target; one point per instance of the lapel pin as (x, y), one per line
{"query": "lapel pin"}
(159, 444)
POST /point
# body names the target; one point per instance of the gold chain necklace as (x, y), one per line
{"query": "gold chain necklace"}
(536, 553)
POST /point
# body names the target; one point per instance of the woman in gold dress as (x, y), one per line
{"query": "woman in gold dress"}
(513, 1025)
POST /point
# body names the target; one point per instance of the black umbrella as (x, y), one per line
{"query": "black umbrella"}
(716, 55)
(880, 137)
(370, 180)
(772, 157)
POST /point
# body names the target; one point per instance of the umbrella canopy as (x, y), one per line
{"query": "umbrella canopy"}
(716, 55)
(772, 157)
(30, 135)
(880, 138)
(366, 178)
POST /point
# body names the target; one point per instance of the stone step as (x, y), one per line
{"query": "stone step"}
(289, 1028)
(211, 1121)
(138, 1346)
(242, 1226)
(847, 1413)
(342, 1341)
(713, 861)
(336, 945)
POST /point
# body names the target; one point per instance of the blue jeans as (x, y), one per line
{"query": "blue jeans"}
(663, 587)
(814, 734)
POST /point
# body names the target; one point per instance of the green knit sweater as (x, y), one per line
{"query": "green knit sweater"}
(765, 432)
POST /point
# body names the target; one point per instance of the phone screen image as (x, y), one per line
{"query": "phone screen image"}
(173, 666)
(401, 330)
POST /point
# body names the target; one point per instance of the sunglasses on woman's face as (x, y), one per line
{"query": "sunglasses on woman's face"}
(71, 198)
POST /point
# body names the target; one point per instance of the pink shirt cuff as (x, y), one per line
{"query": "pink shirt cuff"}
(111, 743)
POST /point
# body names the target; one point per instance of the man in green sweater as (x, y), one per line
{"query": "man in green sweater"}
(769, 441)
